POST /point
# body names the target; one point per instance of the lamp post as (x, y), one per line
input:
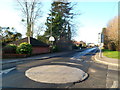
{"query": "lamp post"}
(100, 41)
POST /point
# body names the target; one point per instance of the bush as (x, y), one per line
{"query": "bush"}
(11, 48)
(74, 47)
(55, 48)
(112, 46)
(24, 48)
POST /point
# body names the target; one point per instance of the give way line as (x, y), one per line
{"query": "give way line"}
(6, 71)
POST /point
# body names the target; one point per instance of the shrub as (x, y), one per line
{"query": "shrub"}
(74, 47)
(112, 46)
(11, 48)
(55, 48)
(24, 48)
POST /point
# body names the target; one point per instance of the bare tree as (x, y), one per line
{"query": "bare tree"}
(111, 34)
(31, 10)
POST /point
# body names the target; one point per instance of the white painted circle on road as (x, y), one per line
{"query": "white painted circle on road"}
(55, 74)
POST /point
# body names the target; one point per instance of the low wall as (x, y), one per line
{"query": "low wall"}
(14, 55)
(35, 51)
(39, 50)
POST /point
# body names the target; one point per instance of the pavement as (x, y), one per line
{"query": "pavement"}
(38, 57)
(106, 60)
(112, 72)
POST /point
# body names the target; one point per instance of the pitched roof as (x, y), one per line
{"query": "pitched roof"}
(33, 42)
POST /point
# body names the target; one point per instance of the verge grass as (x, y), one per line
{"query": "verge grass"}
(111, 54)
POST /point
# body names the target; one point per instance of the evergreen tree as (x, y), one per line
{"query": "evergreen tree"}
(58, 21)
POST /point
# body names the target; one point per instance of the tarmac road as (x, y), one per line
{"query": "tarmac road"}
(98, 73)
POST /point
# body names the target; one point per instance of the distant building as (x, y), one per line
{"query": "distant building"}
(76, 43)
(83, 43)
(38, 47)
(91, 44)
(80, 43)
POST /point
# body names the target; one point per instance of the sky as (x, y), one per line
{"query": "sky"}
(94, 15)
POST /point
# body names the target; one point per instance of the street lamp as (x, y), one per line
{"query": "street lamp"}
(100, 41)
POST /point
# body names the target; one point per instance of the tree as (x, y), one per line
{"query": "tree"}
(9, 34)
(31, 10)
(106, 41)
(58, 22)
(111, 35)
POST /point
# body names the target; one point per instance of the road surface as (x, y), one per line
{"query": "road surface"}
(100, 76)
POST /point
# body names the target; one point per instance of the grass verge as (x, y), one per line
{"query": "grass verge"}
(111, 54)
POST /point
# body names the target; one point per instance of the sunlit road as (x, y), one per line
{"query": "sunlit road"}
(15, 76)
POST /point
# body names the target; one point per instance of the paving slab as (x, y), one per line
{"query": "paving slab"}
(58, 74)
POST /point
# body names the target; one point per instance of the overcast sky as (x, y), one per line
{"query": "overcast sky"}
(94, 16)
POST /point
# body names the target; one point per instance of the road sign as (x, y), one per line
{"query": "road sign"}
(51, 38)
(100, 38)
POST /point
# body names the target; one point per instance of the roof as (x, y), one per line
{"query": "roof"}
(33, 42)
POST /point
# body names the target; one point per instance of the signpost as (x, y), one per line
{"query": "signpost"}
(52, 39)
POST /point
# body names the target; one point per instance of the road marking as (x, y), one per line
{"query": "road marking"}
(115, 84)
(89, 61)
(7, 71)
(80, 56)
(79, 59)
(68, 63)
(109, 80)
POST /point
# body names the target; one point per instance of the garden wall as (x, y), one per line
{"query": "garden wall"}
(14, 55)
(39, 50)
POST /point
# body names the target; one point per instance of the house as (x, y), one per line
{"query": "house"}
(91, 45)
(38, 47)
(83, 43)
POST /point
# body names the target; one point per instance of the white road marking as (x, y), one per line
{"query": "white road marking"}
(6, 71)
(79, 59)
(67, 63)
(115, 84)
(80, 56)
